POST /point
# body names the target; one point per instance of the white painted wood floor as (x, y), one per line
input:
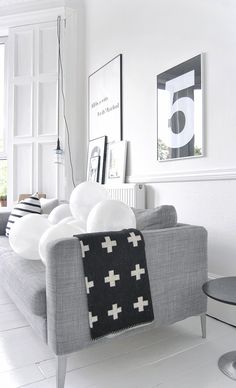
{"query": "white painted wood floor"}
(170, 357)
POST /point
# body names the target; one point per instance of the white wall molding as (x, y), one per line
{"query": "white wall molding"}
(29, 17)
(185, 176)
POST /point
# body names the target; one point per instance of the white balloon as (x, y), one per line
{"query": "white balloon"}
(84, 197)
(45, 215)
(110, 215)
(60, 212)
(25, 235)
(55, 232)
(66, 220)
(78, 225)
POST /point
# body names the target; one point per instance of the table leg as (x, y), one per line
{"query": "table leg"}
(203, 325)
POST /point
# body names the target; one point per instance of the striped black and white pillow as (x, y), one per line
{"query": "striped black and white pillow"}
(29, 205)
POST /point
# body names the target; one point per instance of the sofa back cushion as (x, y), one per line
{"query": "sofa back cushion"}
(161, 217)
(48, 205)
(26, 206)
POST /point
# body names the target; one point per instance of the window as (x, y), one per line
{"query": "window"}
(3, 155)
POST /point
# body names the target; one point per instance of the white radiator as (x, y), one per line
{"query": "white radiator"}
(133, 194)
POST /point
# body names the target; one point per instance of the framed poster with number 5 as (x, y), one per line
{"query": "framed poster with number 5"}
(180, 111)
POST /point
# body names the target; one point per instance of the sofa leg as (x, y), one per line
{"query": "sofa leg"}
(203, 325)
(60, 371)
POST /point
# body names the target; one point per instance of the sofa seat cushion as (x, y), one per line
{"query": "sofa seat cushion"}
(4, 243)
(47, 205)
(27, 277)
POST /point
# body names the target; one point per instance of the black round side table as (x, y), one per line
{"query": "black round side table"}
(224, 290)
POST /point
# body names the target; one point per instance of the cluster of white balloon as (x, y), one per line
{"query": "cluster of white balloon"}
(89, 211)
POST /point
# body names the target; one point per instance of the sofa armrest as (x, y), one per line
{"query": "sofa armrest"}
(177, 266)
(67, 311)
(4, 215)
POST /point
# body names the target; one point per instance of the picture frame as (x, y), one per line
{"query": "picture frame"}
(96, 159)
(116, 162)
(93, 173)
(105, 101)
(180, 111)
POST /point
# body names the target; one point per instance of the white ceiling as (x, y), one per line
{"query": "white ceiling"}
(37, 3)
(7, 3)
(8, 7)
(28, 3)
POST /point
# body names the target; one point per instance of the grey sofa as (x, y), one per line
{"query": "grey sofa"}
(53, 300)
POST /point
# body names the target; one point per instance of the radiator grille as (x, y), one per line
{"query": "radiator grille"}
(133, 194)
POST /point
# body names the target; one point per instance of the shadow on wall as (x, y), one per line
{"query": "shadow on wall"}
(152, 197)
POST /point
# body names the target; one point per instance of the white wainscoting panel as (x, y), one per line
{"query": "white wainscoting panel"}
(23, 110)
(47, 108)
(33, 110)
(23, 63)
(23, 169)
(47, 49)
(47, 170)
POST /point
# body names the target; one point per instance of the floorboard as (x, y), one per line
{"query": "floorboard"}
(169, 357)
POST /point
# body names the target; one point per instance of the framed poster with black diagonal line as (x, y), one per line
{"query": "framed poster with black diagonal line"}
(105, 101)
(93, 173)
(180, 111)
(116, 162)
(96, 159)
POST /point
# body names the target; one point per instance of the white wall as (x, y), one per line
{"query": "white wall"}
(154, 35)
(74, 79)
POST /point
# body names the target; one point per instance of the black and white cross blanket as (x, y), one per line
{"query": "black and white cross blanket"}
(116, 279)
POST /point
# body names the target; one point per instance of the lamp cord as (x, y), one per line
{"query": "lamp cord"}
(61, 78)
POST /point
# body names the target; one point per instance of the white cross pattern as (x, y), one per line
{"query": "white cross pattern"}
(88, 284)
(134, 239)
(112, 278)
(84, 248)
(114, 311)
(137, 272)
(92, 319)
(140, 304)
(109, 244)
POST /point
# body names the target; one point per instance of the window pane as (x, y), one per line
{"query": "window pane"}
(2, 53)
(3, 182)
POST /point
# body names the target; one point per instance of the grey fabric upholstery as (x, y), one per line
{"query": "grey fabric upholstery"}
(28, 278)
(177, 264)
(29, 291)
(4, 243)
(4, 215)
(48, 205)
(38, 323)
(56, 306)
(161, 217)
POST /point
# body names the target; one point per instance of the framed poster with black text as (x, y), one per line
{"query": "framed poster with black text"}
(180, 111)
(105, 101)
